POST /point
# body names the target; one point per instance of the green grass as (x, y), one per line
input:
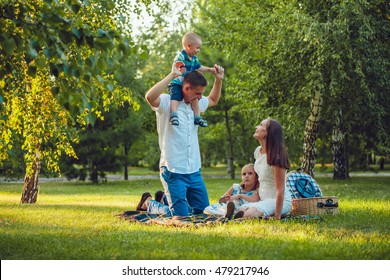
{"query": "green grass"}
(76, 221)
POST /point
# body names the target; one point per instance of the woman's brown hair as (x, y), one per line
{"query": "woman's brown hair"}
(276, 148)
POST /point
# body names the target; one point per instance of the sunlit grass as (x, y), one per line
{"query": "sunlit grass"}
(77, 221)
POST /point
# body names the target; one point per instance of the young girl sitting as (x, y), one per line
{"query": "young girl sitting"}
(237, 195)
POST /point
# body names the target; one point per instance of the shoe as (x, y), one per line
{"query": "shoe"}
(158, 196)
(230, 210)
(199, 121)
(174, 120)
(142, 201)
(238, 215)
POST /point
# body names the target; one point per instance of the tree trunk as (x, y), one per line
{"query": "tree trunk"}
(248, 155)
(126, 162)
(369, 158)
(94, 174)
(229, 154)
(338, 148)
(311, 131)
(30, 186)
(382, 163)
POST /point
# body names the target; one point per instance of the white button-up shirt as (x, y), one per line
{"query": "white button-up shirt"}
(179, 144)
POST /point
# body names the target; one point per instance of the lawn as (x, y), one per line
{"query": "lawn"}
(75, 221)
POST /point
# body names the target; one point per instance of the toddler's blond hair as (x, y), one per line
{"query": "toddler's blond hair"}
(190, 38)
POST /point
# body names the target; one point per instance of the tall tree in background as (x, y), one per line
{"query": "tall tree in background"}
(297, 55)
(353, 39)
(270, 77)
(56, 64)
(282, 59)
(310, 136)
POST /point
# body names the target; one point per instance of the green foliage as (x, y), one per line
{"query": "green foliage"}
(101, 148)
(68, 49)
(261, 81)
(356, 81)
(275, 53)
(281, 52)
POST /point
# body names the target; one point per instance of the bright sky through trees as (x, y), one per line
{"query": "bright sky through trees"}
(145, 18)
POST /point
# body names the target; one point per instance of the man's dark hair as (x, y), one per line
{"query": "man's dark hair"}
(195, 78)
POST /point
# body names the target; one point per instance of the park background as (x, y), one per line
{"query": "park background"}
(72, 79)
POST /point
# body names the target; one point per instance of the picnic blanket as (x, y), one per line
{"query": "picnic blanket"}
(178, 221)
(195, 220)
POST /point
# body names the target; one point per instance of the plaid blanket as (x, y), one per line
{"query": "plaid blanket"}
(178, 221)
(194, 220)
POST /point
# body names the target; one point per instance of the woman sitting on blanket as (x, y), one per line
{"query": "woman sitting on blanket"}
(237, 195)
(271, 166)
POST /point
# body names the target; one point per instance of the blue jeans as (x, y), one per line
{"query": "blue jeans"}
(186, 193)
(155, 207)
(176, 92)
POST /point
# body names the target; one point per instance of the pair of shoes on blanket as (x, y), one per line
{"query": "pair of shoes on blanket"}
(144, 196)
(230, 210)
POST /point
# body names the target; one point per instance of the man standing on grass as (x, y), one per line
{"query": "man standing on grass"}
(180, 162)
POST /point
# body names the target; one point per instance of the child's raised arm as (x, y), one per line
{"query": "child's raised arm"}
(204, 69)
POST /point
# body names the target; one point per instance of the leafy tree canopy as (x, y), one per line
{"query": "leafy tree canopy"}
(57, 67)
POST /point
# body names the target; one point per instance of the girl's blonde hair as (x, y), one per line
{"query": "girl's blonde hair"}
(257, 185)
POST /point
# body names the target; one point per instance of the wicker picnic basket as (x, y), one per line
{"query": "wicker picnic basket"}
(315, 206)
